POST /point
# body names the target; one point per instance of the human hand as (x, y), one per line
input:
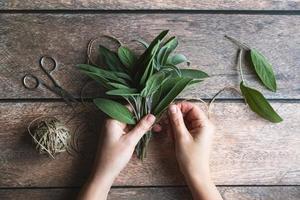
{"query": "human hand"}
(118, 144)
(192, 132)
(116, 147)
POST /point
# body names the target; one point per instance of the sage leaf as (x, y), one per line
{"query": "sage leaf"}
(110, 59)
(193, 73)
(263, 69)
(145, 60)
(170, 46)
(258, 104)
(171, 95)
(142, 42)
(160, 56)
(169, 84)
(171, 69)
(127, 57)
(150, 66)
(123, 92)
(104, 82)
(177, 59)
(153, 83)
(117, 85)
(172, 43)
(155, 98)
(105, 74)
(115, 110)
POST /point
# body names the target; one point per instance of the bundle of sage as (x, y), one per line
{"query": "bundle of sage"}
(149, 83)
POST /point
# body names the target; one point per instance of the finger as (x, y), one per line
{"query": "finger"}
(141, 128)
(177, 122)
(192, 112)
(157, 128)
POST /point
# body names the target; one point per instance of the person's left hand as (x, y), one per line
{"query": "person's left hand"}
(118, 143)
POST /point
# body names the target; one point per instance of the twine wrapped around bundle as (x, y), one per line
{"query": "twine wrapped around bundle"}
(49, 135)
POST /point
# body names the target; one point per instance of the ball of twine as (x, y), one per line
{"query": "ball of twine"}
(49, 135)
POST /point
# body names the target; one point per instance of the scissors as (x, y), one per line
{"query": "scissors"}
(55, 88)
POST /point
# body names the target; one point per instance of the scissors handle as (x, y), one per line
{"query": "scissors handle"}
(33, 78)
(48, 69)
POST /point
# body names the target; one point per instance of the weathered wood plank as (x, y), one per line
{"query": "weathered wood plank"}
(247, 149)
(155, 4)
(150, 193)
(26, 37)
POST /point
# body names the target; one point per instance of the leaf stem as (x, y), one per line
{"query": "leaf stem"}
(240, 64)
(238, 43)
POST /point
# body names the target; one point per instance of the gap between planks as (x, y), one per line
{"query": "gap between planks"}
(57, 100)
(143, 186)
(153, 11)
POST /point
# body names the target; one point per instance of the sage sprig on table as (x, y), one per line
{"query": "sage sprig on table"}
(263, 69)
(149, 82)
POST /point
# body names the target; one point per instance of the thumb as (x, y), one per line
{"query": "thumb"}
(177, 122)
(141, 128)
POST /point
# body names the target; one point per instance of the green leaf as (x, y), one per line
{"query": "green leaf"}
(110, 59)
(104, 82)
(171, 69)
(177, 59)
(263, 69)
(165, 51)
(127, 57)
(123, 75)
(169, 84)
(144, 64)
(258, 104)
(172, 43)
(118, 85)
(193, 73)
(171, 95)
(142, 42)
(123, 92)
(95, 71)
(115, 110)
(153, 83)
(150, 66)
(194, 81)
(160, 56)
(156, 97)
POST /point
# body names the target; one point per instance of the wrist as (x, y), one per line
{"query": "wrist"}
(96, 188)
(197, 176)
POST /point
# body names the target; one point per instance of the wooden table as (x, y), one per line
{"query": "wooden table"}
(251, 158)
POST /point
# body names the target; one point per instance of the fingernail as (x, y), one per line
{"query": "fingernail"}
(150, 118)
(173, 109)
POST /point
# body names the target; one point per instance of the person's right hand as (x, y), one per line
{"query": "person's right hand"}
(193, 133)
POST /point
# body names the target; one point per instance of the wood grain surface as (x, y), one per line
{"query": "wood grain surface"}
(201, 36)
(165, 193)
(154, 4)
(247, 149)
